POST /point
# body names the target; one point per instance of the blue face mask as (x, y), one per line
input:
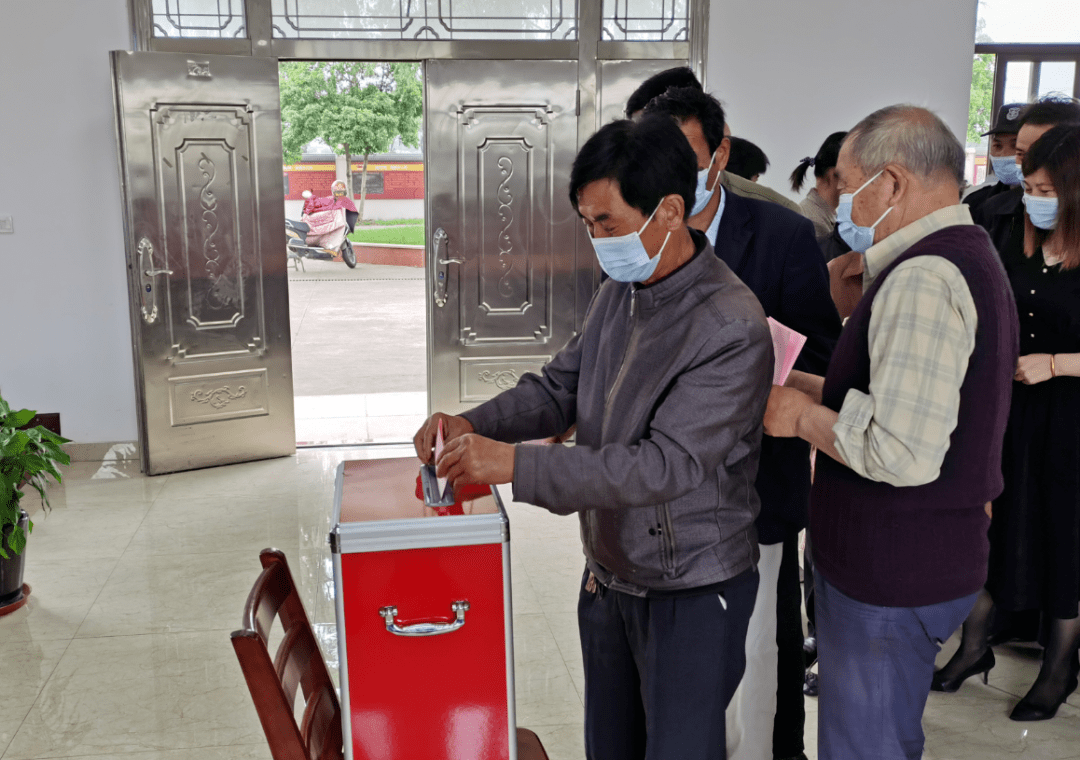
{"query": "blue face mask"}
(624, 258)
(1007, 170)
(859, 238)
(704, 194)
(1043, 212)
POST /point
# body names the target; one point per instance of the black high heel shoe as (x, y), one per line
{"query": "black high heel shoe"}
(949, 685)
(1027, 710)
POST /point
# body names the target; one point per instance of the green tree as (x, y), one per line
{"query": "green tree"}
(358, 108)
(980, 109)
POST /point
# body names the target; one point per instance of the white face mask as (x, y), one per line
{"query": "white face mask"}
(859, 238)
(1042, 211)
(704, 193)
(624, 258)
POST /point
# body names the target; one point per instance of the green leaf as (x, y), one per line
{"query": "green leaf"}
(17, 444)
(17, 540)
(20, 418)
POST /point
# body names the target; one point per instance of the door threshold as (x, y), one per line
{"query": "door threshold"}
(359, 445)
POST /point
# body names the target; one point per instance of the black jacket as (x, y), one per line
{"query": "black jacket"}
(1003, 217)
(983, 194)
(774, 252)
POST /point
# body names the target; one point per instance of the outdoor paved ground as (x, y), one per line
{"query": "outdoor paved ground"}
(359, 352)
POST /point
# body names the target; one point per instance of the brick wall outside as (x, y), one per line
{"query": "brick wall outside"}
(398, 183)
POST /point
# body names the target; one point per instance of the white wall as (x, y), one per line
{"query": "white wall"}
(790, 72)
(64, 334)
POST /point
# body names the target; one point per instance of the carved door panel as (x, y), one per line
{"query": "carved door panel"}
(502, 236)
(200, 151)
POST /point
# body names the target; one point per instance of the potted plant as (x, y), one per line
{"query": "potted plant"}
(27, 456)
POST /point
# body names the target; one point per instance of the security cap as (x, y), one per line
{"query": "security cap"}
(1008, 120)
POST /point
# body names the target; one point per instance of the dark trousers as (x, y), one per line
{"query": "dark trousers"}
(875, 668)
(808, 589)
(790, 712)
(659, 672)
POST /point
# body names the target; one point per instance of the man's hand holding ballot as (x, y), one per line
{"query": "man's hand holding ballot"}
(465, 457)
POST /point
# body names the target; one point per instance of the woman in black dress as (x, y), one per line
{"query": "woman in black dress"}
(1035, 529)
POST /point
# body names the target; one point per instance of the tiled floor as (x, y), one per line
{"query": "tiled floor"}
(359, 418)
(123, 650)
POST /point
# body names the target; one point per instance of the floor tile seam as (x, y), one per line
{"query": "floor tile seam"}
(95, 637)
(136, 552)
(1004, 691)
(37, 697)
(112, 572)
(113, 752)
(562, 656)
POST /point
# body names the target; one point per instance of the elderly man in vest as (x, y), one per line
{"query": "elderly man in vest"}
(910, 419)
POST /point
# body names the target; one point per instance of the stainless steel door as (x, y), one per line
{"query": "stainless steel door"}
(502, 236)
(619, 79)
(200, 153)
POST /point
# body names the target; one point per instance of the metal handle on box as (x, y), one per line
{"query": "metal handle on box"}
(389, 612)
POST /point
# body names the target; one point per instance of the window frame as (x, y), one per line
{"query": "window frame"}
(1037, 54)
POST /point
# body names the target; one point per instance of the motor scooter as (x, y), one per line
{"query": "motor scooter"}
(297, 247)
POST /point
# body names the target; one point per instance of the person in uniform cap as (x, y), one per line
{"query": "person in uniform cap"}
(1002, 156)
(1003, 215)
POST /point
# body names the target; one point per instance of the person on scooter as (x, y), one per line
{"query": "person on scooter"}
(328, 217)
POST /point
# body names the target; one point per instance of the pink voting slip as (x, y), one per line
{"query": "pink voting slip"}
(439, 442)
(786, 347)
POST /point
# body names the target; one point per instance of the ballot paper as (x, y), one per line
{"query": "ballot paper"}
(786, 347)
(439, 443)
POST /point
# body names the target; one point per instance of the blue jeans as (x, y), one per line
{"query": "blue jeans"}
(659, 672)
(875, 666)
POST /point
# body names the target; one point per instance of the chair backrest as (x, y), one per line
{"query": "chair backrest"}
(298, 665)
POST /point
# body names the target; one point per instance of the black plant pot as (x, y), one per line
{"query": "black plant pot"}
(11, 570)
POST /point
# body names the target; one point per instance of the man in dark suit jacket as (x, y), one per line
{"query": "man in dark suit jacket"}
(774, 252)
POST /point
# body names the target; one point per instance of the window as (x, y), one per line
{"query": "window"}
(215, 19)
(1028, 22)
(1024, 50)
(425, 19)
(645, 20)
(374, 183)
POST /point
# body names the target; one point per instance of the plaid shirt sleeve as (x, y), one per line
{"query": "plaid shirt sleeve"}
(921, 336)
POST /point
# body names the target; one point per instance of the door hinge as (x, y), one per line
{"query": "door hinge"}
(577, 108)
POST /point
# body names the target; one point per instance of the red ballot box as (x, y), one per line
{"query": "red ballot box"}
(423, 616)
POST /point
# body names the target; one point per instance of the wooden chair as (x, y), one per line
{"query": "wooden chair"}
(299, 664)
(529, 746)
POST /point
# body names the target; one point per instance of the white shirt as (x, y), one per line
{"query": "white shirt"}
(714, 226)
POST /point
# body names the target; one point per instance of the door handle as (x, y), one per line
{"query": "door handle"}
(388, 614)
(147, 281)
(442, 270)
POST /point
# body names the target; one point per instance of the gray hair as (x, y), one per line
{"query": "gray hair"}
(910, 136)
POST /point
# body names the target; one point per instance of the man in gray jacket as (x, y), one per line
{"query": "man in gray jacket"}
(667, 384)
